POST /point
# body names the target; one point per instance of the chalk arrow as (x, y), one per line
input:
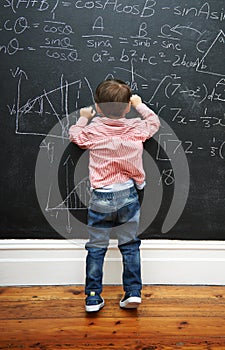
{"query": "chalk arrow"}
(177, 29)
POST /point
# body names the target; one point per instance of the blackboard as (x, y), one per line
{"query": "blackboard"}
(54, 53)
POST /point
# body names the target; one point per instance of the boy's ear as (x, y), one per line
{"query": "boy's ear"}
(127, 109)
(98, 109)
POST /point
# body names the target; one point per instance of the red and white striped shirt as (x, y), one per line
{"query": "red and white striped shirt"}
(116, 146)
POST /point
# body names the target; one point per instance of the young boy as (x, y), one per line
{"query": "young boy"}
(115, 144)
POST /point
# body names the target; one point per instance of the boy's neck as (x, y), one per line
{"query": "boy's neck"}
(115, 117)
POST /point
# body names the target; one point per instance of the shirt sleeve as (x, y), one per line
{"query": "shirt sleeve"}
(150, 123)
(78, 134)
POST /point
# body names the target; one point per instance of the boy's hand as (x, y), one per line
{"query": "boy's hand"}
(87, 112)
(135, 100)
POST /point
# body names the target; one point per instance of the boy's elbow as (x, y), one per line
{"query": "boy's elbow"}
(71, 138)
(72, 133)
(157, 122)
(158, 125)
(154, 129)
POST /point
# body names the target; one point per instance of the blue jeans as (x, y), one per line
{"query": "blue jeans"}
(113, 215)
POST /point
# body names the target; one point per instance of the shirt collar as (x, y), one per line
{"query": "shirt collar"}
(109, 121)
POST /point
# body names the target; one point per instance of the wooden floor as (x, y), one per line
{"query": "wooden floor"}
(169, 317)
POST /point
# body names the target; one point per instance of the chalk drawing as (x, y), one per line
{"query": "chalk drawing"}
(211, 61)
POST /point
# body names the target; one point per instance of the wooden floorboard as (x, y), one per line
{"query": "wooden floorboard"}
(170, 317)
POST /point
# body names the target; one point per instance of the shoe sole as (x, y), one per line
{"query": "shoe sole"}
(130, 303)
(94, 308)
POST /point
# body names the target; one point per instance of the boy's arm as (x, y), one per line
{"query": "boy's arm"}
(151, 120)
(77, 132)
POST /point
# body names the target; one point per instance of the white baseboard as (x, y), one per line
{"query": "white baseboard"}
(61, 262)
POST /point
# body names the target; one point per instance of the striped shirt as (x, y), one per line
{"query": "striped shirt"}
(116, 146)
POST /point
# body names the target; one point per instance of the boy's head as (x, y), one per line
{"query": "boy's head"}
(113, 98)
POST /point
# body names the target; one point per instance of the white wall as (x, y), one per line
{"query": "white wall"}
(58, 262)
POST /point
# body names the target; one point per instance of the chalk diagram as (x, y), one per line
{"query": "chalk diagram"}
(212, 57)
(77, 199)
(50, 115)
(51, 107)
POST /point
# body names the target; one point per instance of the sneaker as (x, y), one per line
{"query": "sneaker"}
(93, 302)
(131, 300)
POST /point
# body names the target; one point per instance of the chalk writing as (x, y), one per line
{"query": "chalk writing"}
(167, 177)
(172, 147)
(11, 48)
(39, 5)
(205, 11)
(144, 11)
(59, 48)
(18, 26)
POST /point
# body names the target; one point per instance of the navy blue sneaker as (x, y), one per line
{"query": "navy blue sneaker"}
(131, 300)
(94, 302)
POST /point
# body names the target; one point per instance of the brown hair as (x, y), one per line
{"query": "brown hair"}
(112, 96)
